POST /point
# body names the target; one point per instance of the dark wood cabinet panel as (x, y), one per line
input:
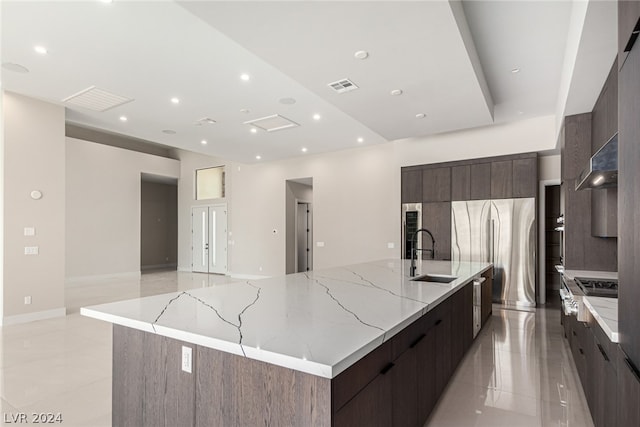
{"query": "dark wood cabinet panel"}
(628, 412)
(442, 325)
(628, 22)
(370, 407)
(525, 177)
(577, 145)
(629, 204)
(411, 186)
(457, 327)
(426, 372)
(480, 181)
(436, 185)
(436, 217)
(128, 362)
(461, 182)
(502, 179)
(604, 117)
(487, 296)
(604, 384)
(404, 405)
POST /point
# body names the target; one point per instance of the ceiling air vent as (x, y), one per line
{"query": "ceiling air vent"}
(272, 123)
(342, 86)
(96, 99)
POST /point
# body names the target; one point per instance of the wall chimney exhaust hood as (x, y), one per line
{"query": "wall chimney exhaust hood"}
(602, 171)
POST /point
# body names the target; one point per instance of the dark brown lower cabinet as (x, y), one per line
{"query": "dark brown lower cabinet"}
(628, 392)
(397, 384)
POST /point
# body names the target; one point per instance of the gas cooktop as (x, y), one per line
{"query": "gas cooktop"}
(598, 287)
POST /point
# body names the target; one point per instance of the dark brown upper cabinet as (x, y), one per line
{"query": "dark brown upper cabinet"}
(461, 182)
(501, 179)
(480, 181)
(604, 117)
(436, 185)
(412, 186)
(525, 177)
(628, 22)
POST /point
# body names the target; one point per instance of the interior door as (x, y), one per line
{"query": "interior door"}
(209, 239)
(303, 237)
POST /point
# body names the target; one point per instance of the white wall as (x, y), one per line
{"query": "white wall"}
(103, 206)
(356, 194)
(189, 162)
(549, 168)
(34, 159)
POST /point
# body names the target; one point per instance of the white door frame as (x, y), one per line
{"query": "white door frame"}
(221, 237)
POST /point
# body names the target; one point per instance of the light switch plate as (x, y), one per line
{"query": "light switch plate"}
(31, 250)
(29, 231)
(187, 352)
(320, 244)
(391, 245)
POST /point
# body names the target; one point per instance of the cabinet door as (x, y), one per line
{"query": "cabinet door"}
(370, 407)
(457, 328)
(502, 179)
(426, 373)
(487, 296)
(604, 386)
(461, 182)
(404, 406)
(525, 177)
(436, 185)
(628, 392)
(443, 351)
(467, 323)
(628, 21)
(480, 188)
(411, 186)
(436, 217)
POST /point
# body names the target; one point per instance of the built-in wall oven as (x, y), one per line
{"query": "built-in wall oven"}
(411, 222)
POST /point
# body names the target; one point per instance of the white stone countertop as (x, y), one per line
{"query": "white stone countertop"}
(605, 311)
(319, 322)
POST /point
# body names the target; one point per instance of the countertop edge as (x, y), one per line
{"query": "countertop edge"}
(606, 327)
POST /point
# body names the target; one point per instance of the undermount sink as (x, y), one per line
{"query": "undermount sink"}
(437, 278)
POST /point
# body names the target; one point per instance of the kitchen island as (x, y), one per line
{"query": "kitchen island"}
(327, 347)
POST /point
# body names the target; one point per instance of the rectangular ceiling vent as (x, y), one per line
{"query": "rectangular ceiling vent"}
(96, 99)
(272, 123)
(342, 86)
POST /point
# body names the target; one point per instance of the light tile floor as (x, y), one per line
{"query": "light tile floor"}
(518, 373)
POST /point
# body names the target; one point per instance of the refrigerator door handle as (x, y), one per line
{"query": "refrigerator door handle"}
(492, 239)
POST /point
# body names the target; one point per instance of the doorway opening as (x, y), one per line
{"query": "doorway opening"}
(158, 223)
(209, 239)
(299, 225)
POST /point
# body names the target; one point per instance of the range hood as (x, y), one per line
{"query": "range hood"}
(602, 171)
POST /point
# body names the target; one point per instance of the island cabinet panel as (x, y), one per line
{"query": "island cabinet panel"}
(502, 179)
(233, 390)
(525, 177)
(411, 186)
(436, 217)
(371, 407)
(628, 412)
(461, 182)
(404, 405)
(480, 181)
(604, 376)
(128, 384)
(441, 319)
(426, 373)
(436, 185)
(486, 295)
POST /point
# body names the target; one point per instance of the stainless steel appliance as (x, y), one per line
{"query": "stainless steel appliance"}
(477, 304)
(411, 222)
(573, 291)
(598, 287)
(502, 232)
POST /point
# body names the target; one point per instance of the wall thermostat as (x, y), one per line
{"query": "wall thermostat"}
(36, 195)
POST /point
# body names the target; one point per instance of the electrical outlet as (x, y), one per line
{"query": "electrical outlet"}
(320, 244)
(186, 359)
(27, 300)
(29, 231)
(31, 250)
(391, 245)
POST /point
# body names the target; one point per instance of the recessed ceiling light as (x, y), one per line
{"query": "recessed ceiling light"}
(106, 1)
(245, 77)
(421, 116)
(520, 112)
(304, 149)
(361, 140)
(361, 54)
(203, 142)
(396, 92)
(316, 117)
(40, 49)
(258, 157)
(17, 68)
(123, 118)
(254, 130)
(175, 100)
(287, 101)
(515, 70)
(245, 110)
(169, 131)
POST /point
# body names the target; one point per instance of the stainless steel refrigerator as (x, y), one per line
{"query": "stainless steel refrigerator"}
(501, 231)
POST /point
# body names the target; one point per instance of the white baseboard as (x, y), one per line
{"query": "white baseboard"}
(79, 280)
(158, 266)
(185, 269)
(30, 317)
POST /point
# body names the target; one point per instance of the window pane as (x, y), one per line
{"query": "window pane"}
(210, 183)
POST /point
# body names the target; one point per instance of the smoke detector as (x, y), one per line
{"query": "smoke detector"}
(342, 86)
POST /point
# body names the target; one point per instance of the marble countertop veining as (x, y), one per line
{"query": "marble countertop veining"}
(319, 322)
(605, 311)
